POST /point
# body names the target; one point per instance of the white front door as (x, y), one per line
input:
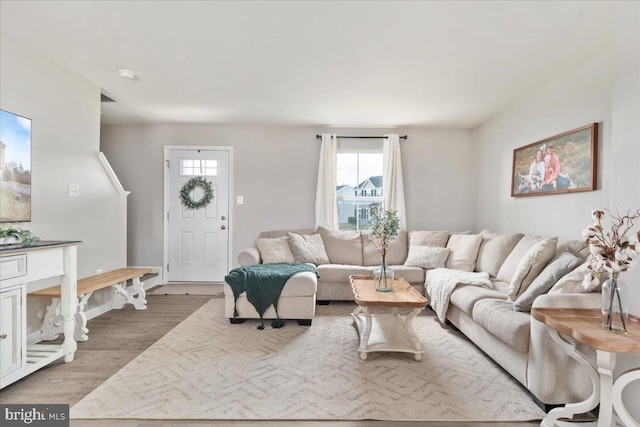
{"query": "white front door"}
(198, 239)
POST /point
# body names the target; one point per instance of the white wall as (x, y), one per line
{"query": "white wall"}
(275, 169)
(605, 90)
(65, 113)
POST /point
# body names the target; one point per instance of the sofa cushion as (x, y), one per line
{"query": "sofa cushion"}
(343, 247)
(497, 316)
(413, 275)
(275, 250)
(508, 267)
(427, 257)
(557, 268)
(340, 272)
(465, 296)
(572, 281)
(464, 251)
(396, 254)
(533, 262)
(494, 250)
(308, 248)
(576, 247)
(428, 238)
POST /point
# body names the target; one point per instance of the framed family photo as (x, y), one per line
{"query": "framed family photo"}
(564, 163)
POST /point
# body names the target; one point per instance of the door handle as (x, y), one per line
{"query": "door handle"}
(223, 217)
(3, 336)
(224, 227)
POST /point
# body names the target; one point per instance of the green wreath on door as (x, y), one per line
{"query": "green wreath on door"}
(192, 184)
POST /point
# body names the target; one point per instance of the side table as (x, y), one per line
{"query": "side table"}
(584, 325)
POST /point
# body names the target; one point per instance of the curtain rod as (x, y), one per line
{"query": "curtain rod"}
(363, 137)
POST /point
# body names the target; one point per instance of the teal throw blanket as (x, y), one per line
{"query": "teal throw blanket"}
(263, 284)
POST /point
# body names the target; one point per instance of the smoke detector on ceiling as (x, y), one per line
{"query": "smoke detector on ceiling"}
(127, 74)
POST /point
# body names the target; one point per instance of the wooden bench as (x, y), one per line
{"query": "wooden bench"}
(123, 294)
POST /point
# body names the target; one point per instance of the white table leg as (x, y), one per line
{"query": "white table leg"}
(69, 301)
(618, 404)
(606, 366)
(409, 328)
(366, 333)
(571, 409)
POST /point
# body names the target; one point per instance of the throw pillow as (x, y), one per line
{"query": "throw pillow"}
(572, 281)
(275, 250)
(427, 257)
(396, 254)
(428, 238)
(556, 269)
(308, 248)
(533, 262)
(464, 251)
(494, 250)
(576, 247)
(343, 247)
(508, 267)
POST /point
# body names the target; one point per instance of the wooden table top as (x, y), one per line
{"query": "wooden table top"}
(585, 326)
(402, 293)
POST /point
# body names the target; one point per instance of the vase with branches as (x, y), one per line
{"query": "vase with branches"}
(384, 225)
(614, 250)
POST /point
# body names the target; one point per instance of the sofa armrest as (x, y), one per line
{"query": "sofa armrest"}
(552, 376)
(249, 256)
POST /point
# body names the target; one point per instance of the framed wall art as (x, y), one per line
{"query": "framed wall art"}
(564, 163)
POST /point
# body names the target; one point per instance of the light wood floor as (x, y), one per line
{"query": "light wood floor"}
(119, 336)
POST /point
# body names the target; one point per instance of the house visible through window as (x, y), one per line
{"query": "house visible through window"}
(359, 179)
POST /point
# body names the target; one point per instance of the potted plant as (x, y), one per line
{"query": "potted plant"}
(10, 235)
(384, 225)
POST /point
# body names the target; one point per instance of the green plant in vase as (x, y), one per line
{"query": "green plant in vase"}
(384, 225)
(13, 235)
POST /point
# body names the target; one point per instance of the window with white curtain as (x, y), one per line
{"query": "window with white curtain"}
(359, 186)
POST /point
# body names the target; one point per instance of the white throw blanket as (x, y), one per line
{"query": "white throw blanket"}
(441, 283)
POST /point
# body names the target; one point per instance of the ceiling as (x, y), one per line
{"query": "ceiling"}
(342, 64)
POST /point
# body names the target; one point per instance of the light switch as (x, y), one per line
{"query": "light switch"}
(74, 190)
(240, 200)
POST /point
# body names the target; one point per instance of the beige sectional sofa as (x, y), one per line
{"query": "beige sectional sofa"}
(521, 268)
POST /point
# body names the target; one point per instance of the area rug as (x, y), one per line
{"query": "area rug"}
(207, 369)
(189, 288)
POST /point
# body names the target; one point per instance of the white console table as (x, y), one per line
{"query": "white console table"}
(22, 267)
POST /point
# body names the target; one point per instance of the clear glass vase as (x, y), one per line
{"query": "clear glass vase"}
(383, 277)
(615, 308)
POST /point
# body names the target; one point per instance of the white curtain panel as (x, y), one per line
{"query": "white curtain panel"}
(326, 200)
(392, 181)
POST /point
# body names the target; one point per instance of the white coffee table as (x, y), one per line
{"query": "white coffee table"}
(386, 331)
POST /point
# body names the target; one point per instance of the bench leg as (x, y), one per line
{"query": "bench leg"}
(134, 294)
(52, 323)
(81, 331)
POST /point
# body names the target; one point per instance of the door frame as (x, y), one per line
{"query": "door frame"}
(165, 251)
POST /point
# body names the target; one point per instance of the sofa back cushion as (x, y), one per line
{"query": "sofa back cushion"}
(275, 250)
(508, 267)
(557, 268)
(308, 248)
(343, 247)
(428, 238)
(576, 247)
(464, 251)
(530, 266)
(494, 250)
(396, 254)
